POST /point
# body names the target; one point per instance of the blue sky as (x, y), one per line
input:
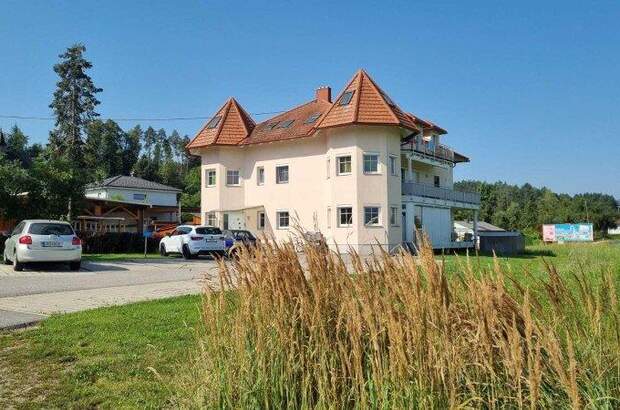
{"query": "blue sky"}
(529, 90)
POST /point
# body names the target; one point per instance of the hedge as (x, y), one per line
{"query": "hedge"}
(116, 242)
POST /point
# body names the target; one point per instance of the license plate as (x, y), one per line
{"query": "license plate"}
(51, 244)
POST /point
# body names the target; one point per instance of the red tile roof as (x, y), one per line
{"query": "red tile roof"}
(271, 130)
(233, 126)
(369, 105)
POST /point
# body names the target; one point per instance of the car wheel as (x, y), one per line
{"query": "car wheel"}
(186, 253)
(75, 265)
(162, 250)
(17, 266)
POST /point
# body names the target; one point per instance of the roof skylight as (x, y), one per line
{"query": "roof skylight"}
(214, 121)
(312, 118)
(273, 125)
(286, 124)
(346, 98)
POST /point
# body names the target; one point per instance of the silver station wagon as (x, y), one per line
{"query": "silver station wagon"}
(43, 241)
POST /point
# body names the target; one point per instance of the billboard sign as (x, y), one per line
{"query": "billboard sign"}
(568, 233)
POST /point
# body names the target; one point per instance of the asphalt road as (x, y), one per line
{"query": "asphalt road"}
(40, 290)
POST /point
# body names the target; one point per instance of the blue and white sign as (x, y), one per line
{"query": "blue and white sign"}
(568, 233)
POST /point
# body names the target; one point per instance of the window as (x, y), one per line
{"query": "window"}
(283, 219)
(260, 176)
(214, 122)
(209, 230)
(371, 163)
(232, 177)
(50, 229)
(282, 174)
(211, 219)
(139, 197)
(345, 216)
(371, 215)
(344, 165)
(18, 229)
(312, 119)
(329, 167)
(260, 220)
(346, 98)
(210, 177)
(329, 217)
(273, 125)
(394, 216)
(285, 124)
(393, 166)
(436, 181)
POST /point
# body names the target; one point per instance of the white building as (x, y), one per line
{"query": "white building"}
(359, 169)
(128, 204)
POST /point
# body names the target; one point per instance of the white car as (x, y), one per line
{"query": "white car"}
(42, 241)
(191, 241)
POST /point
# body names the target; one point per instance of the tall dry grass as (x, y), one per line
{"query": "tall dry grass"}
(397, 332)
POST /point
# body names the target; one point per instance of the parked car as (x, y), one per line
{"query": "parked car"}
(42, 241)
(191, 241)
(239, 238)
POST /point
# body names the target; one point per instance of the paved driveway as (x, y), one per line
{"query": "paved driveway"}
(31, 295)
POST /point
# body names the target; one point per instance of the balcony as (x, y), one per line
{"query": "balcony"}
(429, 191)
(429, 149)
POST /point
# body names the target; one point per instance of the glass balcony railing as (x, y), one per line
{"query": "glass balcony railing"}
(429, 191)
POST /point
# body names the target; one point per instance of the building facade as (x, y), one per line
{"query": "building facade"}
(358, 169)
(128, 204)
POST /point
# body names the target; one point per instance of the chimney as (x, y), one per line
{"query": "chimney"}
(324, 93)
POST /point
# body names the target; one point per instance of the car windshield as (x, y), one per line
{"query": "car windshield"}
(50, 229)
(208, 230)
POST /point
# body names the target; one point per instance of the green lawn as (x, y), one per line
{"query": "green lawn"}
(99, 358)
(121, 357)
(118, 256)
(567, 258)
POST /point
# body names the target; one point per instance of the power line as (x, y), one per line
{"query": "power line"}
(40, 118)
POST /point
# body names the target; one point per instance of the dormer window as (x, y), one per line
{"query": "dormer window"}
(346, 98)
(214, 122)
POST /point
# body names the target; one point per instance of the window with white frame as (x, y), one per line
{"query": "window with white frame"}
(283, 219)
(211, 219)
(345, 216)
(371, 215)
(329, 217)
(139, 197)
(260, 220)
(282, 174)
(394, 216)
(371, 163)
(210, 177)
(260, 176)
(393, 165)
(344, 165)
(232, 177)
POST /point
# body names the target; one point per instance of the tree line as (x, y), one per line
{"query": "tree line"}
(527, 208)
(49, 180)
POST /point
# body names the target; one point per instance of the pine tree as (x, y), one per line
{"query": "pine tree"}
(73, 104)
